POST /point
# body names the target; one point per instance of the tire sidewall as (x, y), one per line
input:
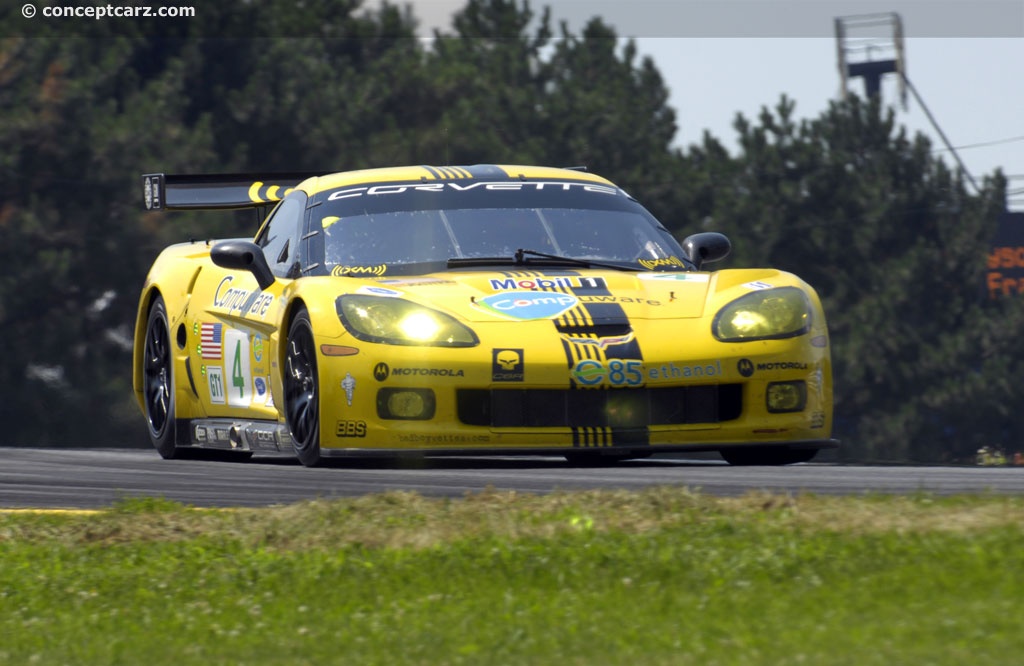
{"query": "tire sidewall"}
(163, 440)
(308, 452)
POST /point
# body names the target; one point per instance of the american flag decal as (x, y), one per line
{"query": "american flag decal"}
(210, 342)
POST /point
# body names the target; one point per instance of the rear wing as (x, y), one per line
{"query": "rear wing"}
(162, 191)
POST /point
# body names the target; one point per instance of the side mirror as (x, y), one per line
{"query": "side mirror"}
(243, 255)
(706, 247)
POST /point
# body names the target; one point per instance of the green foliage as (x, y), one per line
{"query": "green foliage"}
(77, 123)
(887, 233)
(895, 245)
(687, 579)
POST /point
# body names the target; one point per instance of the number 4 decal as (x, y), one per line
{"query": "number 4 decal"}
(236, 357)
(236, 370)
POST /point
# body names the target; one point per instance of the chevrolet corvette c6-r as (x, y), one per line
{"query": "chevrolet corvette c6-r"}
(485, 309)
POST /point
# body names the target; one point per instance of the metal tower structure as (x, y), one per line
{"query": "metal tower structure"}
(871, 46)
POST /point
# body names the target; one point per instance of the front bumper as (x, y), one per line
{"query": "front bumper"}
(500, 398)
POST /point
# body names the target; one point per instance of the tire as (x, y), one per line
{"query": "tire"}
(767, 455)
(158, 382)
(302, 390)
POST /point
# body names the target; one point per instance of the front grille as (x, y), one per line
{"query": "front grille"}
(596, 408)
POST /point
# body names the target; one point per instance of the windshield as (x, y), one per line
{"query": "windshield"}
(409, 228)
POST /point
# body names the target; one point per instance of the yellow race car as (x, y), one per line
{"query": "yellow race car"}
(485, 309)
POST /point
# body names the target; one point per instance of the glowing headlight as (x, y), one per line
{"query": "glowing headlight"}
(396, 321)
(769, 314)
(420, 326)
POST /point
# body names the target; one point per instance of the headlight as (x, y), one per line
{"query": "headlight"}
(395, 321)
(769, 314)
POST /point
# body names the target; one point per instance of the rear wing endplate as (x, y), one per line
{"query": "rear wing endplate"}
(162, 191)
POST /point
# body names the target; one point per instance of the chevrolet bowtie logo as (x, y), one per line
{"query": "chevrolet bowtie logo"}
(603, 343)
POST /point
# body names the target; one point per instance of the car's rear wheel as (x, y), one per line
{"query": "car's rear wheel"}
(158, 381)
(302, 390)
(767, 455)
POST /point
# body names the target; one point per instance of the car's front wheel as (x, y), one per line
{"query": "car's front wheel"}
(158, 381)
(302, 390)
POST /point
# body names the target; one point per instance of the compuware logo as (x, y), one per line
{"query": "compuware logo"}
(527, 305)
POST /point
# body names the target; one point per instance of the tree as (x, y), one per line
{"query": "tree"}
(80, 119)
(507, 90)
(487, 87)
(76, 126)
(609, 109)
(895, 245)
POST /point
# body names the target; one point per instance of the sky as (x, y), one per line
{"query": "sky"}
(718, 58)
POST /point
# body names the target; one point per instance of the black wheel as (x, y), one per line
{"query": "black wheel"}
(767, 455)
(158, 381)
(302, 390)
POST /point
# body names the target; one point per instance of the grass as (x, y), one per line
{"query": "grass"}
(666, 576)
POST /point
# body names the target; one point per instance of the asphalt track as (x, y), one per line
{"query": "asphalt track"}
(96, 478)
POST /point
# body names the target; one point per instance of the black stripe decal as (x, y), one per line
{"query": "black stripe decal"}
(448, 172)
(588, 314)
(611, 313)
(432, 171)
(460, 172)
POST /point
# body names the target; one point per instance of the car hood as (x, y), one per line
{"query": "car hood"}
(528, 295)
